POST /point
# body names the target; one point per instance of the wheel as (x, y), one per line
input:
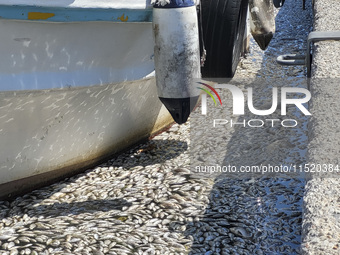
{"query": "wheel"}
(223, 24)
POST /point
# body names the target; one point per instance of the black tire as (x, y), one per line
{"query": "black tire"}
(223, 24)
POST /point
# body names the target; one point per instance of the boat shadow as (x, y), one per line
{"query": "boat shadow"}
(149, 153)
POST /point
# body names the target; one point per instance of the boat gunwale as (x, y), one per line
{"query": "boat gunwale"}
(74, 14)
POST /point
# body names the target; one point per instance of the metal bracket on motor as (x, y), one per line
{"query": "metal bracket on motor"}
(316, 36)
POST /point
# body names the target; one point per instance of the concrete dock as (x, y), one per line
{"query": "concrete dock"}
(321, 220)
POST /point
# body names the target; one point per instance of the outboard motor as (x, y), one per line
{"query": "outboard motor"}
(177, 56)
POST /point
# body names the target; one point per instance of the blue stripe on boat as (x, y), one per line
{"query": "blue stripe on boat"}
(58, 14)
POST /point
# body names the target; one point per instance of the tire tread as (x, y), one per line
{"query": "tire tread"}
(220, 19)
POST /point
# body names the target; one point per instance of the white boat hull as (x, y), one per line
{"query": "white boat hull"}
(46, 134)
(72, 94)
(45, 55)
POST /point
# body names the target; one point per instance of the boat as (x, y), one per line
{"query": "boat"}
(77, 86)
(78, 81)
